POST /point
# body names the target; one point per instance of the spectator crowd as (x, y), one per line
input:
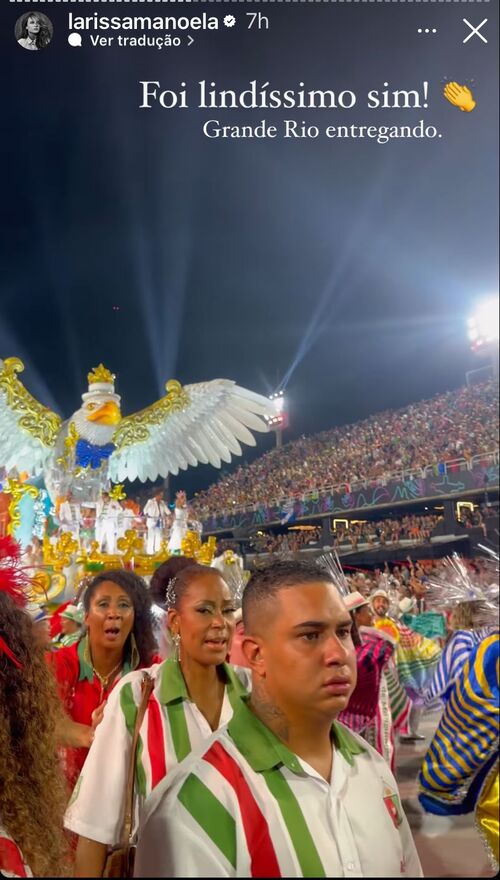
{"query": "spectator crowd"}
(456, 425)
(387, 531)
(416, 529)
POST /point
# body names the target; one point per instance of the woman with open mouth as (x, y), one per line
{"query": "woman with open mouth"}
(119, 638)
(194, 694)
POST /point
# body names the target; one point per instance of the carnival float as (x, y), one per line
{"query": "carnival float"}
(46, 460)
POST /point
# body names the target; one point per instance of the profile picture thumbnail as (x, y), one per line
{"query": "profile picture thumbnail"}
(33, 30)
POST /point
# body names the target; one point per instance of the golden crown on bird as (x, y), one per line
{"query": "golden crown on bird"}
(100, 413)
(201, 423)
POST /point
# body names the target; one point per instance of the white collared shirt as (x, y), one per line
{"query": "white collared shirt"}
(171, 728)
(219, 817)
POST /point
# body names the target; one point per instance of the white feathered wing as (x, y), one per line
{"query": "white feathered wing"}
(28, 430)
(202, 423)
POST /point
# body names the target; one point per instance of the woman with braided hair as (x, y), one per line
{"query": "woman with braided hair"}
(32, 790)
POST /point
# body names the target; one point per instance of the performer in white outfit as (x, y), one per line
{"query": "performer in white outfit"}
(108, 516)
(126, 521)
(157, 517)
(69, 517)
(180, 526)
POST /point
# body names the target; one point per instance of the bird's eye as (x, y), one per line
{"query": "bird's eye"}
(91, 406)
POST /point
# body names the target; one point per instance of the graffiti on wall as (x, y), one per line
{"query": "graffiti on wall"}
(331, 502)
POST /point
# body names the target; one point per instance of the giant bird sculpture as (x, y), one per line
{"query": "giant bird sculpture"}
(201, 423)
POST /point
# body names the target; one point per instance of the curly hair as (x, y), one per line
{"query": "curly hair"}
(43, 36)
(33, 794)
(137, 591)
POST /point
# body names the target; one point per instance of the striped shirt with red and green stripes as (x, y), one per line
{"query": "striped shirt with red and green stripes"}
(248, 807)
(12, 863)
(172, 727)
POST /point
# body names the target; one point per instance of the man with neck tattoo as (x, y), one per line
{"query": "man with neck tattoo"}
(284, 790)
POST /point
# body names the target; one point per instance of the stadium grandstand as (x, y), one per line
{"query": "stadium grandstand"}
(459, 425)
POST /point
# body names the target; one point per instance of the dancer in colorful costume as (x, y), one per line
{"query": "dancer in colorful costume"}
(369, 711)
(416, 658)
(460, 769)
(474, 617)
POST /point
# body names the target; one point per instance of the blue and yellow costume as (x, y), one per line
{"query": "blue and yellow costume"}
(460, 770)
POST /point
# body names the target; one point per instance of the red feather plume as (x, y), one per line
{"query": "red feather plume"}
(13, 579)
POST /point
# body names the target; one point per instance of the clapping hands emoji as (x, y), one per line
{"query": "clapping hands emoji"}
(460, 96)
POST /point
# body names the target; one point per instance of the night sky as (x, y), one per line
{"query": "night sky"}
(344, 268)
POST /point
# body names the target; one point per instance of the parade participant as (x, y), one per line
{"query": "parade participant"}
(71, 627)
(369, 710)
(119, 638)
(69, 516)
(427, 623)
(380, 603)
(158, 586)
(416, 658)
(237, 656)
(474, 616)
(157, 517)
(40, 623)
(37, 551)
(28, 557)
(284, 790)
(179, 528)
(459, 773)
(108, 512)
(468, 630)
(32, 791)
(88, 525)
(192, 696)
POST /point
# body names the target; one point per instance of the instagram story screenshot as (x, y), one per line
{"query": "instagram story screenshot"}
(249, 319)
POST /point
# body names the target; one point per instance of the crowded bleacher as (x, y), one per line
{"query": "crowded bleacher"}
(457, 425)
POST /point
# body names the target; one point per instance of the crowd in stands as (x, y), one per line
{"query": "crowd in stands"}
(456, 425)
(290, 542)
(387, 531)
(416, 529)
(477, 518)
(410, 578)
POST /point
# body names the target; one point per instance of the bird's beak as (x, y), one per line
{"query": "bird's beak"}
(107, 414)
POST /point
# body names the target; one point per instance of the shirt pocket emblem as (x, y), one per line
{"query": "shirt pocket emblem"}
(393, 806)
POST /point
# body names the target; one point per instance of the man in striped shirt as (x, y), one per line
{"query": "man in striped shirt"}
(284, 790)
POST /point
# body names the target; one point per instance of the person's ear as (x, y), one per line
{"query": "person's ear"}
(173, 621)
(253, 650)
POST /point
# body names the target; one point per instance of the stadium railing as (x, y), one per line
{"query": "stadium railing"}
(453, 466)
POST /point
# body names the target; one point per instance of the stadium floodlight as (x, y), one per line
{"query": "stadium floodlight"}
(279, 421)
(483, 335)
(483, 324)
